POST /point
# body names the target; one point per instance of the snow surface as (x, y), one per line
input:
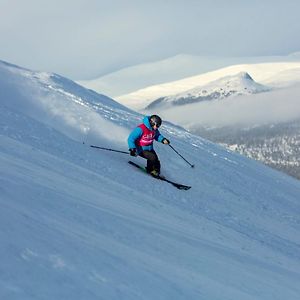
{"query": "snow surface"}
(79, 223)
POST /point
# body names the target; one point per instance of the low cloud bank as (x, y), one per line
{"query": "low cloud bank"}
(265, 108)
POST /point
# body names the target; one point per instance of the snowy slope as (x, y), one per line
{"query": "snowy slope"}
(54, 100)
(78, 223)
(268, 74)
(235, 85)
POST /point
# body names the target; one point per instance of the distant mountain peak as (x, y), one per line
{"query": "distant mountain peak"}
(245, 75)
(232, 85)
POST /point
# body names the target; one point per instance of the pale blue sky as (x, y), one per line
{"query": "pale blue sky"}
(85, 38)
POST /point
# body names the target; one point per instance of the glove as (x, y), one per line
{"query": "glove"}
(165, 141)
(133, 152)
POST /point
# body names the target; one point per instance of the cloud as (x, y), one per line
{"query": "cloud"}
(265, 108)
(82, 39)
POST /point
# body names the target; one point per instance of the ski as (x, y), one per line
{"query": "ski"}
(177, 185)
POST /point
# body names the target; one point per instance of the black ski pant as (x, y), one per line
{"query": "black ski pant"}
(153, 162)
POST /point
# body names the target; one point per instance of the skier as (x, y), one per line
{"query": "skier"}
(140, 142)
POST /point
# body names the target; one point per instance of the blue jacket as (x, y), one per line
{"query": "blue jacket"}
(137, 133)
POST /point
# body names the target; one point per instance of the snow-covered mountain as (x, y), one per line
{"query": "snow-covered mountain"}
(137, 77)
(234, 85)
(276, 75)
(80, 223)
(140, 76)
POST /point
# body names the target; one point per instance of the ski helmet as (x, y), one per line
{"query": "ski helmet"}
(155, 120)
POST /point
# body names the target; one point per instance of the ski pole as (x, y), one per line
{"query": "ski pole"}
(108, 149)
(192, 166)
